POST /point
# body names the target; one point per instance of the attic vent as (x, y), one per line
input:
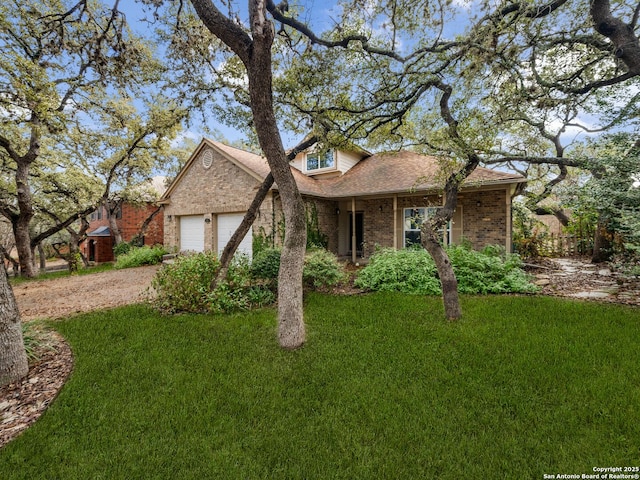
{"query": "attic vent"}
(207, 158)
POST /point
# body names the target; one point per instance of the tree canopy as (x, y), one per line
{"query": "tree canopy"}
(78, 117)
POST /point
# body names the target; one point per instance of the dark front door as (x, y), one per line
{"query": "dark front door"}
(92, 250)
(359, 233)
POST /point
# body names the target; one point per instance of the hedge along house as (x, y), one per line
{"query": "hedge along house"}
(360, 201)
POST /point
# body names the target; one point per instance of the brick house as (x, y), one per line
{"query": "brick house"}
(98, 246)
(361, 200)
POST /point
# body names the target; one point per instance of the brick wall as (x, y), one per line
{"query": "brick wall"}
(481, 218)
(98, 249)
(132, 219)
(485, 218)
(130, 222)
(327, 220)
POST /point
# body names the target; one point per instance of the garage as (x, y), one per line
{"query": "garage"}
(227, 225)
(192, 233)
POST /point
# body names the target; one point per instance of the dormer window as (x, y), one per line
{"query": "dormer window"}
(320, 161)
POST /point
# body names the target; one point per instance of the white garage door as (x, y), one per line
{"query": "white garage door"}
(227, 225)
(192, 233)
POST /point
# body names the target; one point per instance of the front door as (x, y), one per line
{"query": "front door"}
(359, 233)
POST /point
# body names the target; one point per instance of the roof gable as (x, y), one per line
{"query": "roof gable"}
(253, 165)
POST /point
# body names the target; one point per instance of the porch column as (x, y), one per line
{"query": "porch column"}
(509, 192)
(395, 221)
(353, 229)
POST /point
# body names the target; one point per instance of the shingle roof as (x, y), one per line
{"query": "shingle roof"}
(384, 173)
(402, 172)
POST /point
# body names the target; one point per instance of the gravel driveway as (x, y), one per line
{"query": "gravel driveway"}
(66, 296)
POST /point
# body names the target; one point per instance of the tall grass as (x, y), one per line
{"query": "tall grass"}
(383, 389)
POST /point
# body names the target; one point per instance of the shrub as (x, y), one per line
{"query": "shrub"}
(322, 269)
(121, 249)
(185, 286)
(413, 271)
(408, 271)
(266, 265)
(139, 256)
(488, 271)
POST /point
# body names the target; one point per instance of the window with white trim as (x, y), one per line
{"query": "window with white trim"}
(413, 219)
(319, 161)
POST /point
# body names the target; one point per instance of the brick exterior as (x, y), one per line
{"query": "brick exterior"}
(100, 249)
(485, 218)
(327, 220)
(481, 225)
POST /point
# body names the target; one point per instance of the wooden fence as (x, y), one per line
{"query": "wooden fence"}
(563, 245)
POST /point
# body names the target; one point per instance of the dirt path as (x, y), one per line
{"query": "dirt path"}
(66, 296)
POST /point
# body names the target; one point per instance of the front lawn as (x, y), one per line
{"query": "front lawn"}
(522, 387)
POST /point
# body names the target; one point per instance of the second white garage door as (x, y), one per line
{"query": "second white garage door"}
(227, 224)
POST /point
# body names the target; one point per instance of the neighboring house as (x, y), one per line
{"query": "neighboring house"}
(361, 200)
(98, 246)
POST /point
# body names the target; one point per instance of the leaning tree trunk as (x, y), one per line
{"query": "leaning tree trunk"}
(112, 208)
(233, 243)
(450, 298)
(250, 216)
(13, 357)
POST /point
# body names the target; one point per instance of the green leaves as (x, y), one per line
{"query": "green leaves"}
(413, 271)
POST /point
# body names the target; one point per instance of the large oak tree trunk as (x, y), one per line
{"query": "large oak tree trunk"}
(13, 357)
(255, 53)
(291, 329)
(23, 245)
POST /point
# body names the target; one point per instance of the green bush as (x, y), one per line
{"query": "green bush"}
(413, 271)
(409, 271)
(185, 286)
(121, 249)
(322, 269)
(488, 271)
(139, 256)
(266, 265)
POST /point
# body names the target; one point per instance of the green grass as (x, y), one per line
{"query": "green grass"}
(103, 267)
(384, 389)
